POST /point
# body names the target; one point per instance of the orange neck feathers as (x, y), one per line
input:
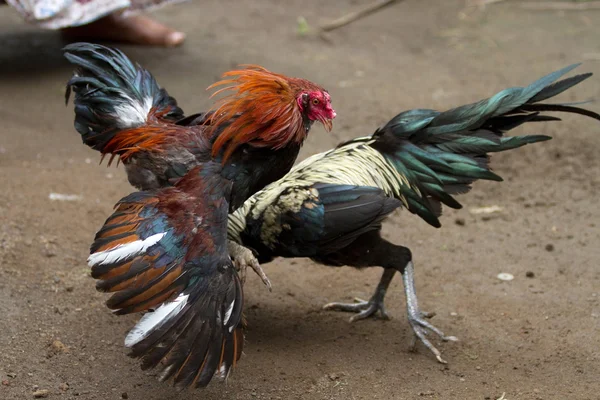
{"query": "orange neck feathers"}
(265, 105)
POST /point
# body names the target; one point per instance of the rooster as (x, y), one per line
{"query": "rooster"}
(256, 130)
(331, 206)
(164, 250)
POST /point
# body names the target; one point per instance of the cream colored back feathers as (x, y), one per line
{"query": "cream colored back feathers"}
(355, 163)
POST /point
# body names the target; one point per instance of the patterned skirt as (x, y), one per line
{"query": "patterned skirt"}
(56, 14)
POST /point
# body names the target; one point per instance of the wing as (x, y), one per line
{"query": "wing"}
(308, 221)
(166, 252)
(139, 255)
(112, 94)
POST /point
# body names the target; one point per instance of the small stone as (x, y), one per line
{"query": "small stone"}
(578, 194)
(549, 247)
(49, 253)
(505, 276)
(529, 274)
(11, 375)
(64, 386)
(124, 395)
(58, 347)
(333, 377)
(41, 393)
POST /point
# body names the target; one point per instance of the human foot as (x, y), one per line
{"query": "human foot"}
(137, 29)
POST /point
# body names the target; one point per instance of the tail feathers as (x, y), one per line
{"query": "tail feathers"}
(113, 94)
(507, 101)
(561, 108)
(504, 123)
(554, 89)
(419, 125)
(434, 173)
(440, 154)
(194, 337)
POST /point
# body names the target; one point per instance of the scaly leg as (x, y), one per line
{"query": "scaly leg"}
(416, 317)
(366, 309)
(371, 250)
(244, 258)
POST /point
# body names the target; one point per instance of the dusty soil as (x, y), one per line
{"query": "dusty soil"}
(530, 338)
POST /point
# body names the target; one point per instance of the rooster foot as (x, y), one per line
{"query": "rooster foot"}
(244, 258)
(421, 328)
(416, 317)
(364, 308)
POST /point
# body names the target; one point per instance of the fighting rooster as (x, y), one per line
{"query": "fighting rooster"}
(256, 130)
(330, 207)
(164, 250)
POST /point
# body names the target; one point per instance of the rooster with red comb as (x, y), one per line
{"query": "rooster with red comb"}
(165, 250)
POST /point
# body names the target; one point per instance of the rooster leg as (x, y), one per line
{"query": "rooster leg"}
(366, 309)
(368, 250)
(244, 258)
(416, 317)
(371, 250)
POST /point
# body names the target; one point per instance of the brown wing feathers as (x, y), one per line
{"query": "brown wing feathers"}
(193, 330)
(123, 262)
(201, 340)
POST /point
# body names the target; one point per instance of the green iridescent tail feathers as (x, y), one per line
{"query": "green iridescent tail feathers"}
(442, 153)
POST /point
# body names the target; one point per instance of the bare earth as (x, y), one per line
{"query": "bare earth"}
(530, 338)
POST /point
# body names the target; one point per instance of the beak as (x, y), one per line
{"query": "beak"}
(327, 123)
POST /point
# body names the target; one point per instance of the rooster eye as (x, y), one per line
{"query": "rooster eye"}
(315, 101)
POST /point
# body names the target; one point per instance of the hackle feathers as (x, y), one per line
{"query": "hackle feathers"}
(259, 109)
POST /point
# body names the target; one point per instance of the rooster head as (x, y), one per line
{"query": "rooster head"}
(266, 109)
(316, 106)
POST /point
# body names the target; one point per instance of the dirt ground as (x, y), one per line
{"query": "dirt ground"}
(530, 338)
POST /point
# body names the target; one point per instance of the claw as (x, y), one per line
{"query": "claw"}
(244, 258)
(421, 328)
(363, 308)
(261, 273)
